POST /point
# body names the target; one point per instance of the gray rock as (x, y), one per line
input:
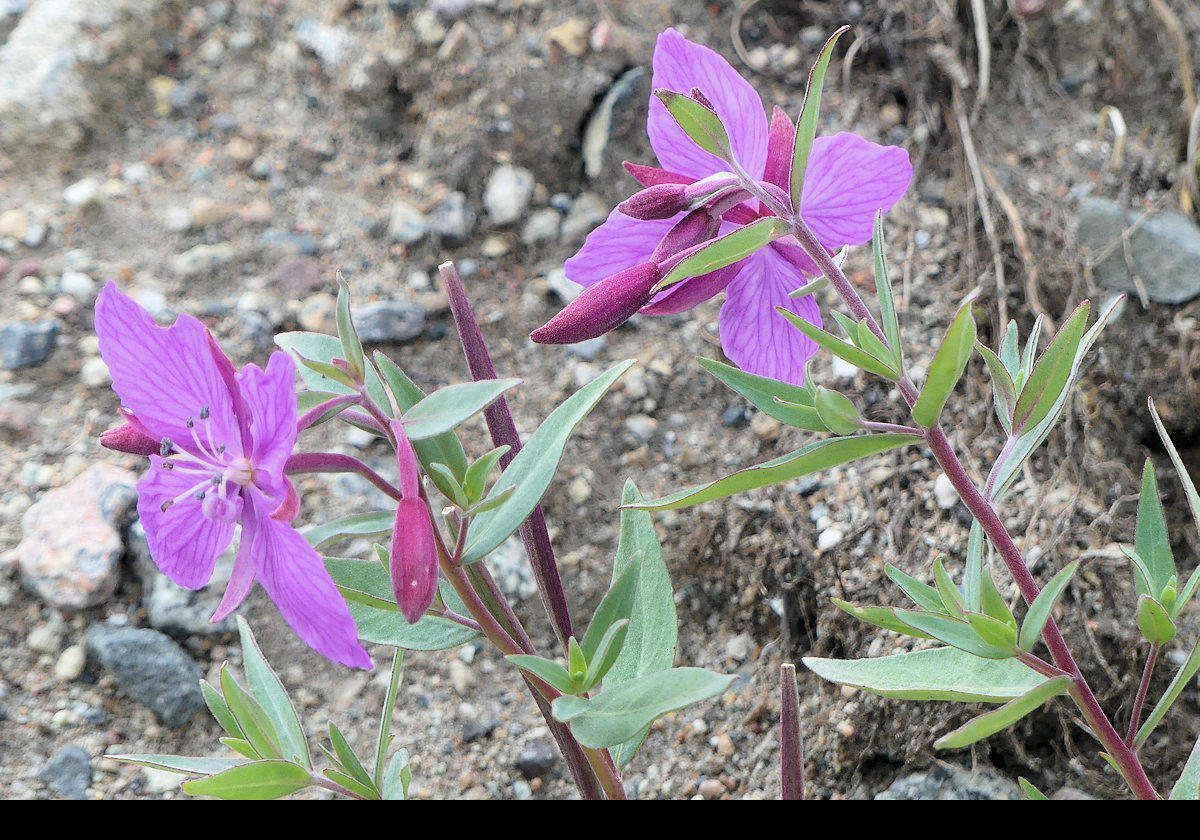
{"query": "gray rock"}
(331, 44)
(1165, 250)
(537, 759)
(203, 258)
(25, 345)
(453, 219)
(390, 321)
(69, 772)
(587, 212)
(71, 545)
(53, 84)
(406, 224)
(542, 226)
(170, 607)
(507, 195)
(277, 244)
(150, 668)
(952, 783)
(510, 567)
(297, 276)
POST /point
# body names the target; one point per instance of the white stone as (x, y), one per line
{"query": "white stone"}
(82, 193)
(95, 374)
(507, 195)
(944, 493)
(828, 538)
(78, 285)
(843, 369)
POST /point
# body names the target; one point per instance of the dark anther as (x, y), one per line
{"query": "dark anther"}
(204, 413)
(168, 465)
(165, 447)
(163, 507)
(189, 422)
(220, 449)
(199, 497)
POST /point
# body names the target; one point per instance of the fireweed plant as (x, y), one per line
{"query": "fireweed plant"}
(738, 205)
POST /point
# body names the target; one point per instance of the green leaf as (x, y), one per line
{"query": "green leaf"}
(947, 366)
(812, 458)
(726, 250)
(347, 758)
(576, 664)
(785, 402)
(621, 712)
(606, 653)
(699, 123)
(364, 576)
(475, 481)
(923, 595)
(842, 349)
(182, 763)
(383, 737)
(534, 466)
(652, 633)
(449, 407)
(252, 718)
(1004, 390)
(938, 674)
(1188, 785)
(1004, 717)
(1152, 543)
(1051, 375)
(256, 780)
(951, 599)
(1010, 353)
(1031, 347)
(1193, 503)
(806, 123)
(884, 617)
(953, 632)
(324, 349)
(270, 693)
(887, 303)
(360, 525)
(993, 604)
(240, 746)
(617, 605)
(352, 350)
(330, 373)
(546, 670)
(973, 569)
(837, 412)
(993, 631)
(1153, 621)
(458, 493)
(220, 710)
(1030, 791)
(351, 784)
(1043, 605)
(395, 782)
(811, 287)
(867, 340)
(430, 633)
(308, 400)
(1178, 683)
(1005, 472)
(442, 449)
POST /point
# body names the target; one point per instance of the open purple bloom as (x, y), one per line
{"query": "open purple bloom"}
(847, 181)
(224, 438)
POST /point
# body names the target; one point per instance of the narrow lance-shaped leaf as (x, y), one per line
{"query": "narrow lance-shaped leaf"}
(698, 122)
(1004, 390)
(1178, 683)
(1151, 540)
(617, 605)
(973, 572)
(884, 617)
(954, 632)
(883, 290)
(1043, 605)
(726, 250)
(449, 407)
(270, 693)
(352, 350)
(183, 764)
(842, 349)
(254, 780)
(546, 670)
(1004, 717)
(534, 466)
(837, 412)
(347, 758)
(1193, 498)
(938, 674)
(1030, 791)
(1188, 785)
(764, 393)
(993, 631)
(251, 717)
(806, 123)
(815, 457)
(951, 599)
(947, 366)
(1052, 374)
(923, 595)
(324, 349)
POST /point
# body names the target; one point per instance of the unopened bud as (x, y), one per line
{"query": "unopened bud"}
(601, 307)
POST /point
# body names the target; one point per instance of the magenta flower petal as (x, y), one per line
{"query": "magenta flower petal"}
(270, 398)
(183, 541)
(163, 375)
(756, 337)
(680, 65)
(618, 243)
(691, 292)
(240, 582)
(848, 180)
(295, 577)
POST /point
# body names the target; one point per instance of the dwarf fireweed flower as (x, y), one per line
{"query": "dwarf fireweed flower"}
(223, 439)
(847, 181)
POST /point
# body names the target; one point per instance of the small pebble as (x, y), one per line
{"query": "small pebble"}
(641, 426)
(944, 493)
(507, 194)
(828, 538)
(82, 193)
(712, 789)
(70, 663)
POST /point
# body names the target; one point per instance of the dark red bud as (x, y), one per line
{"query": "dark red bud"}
(601, 307)
(130, 437)
(661, 201)
(414, 560)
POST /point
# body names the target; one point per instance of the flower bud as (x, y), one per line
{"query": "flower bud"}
(130, 437)
(662, 201)
(601, 307)
(414, 560)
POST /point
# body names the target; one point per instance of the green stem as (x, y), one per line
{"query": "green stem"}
(385, 719)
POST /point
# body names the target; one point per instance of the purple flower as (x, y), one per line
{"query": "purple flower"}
(224, 438)
(847, 181)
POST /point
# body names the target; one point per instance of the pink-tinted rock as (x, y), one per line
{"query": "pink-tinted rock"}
(71, 546)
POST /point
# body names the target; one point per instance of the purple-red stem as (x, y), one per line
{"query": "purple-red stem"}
(1135, 718)
(791, 746)
(330, 462)
(981, 508)
(504, 431)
